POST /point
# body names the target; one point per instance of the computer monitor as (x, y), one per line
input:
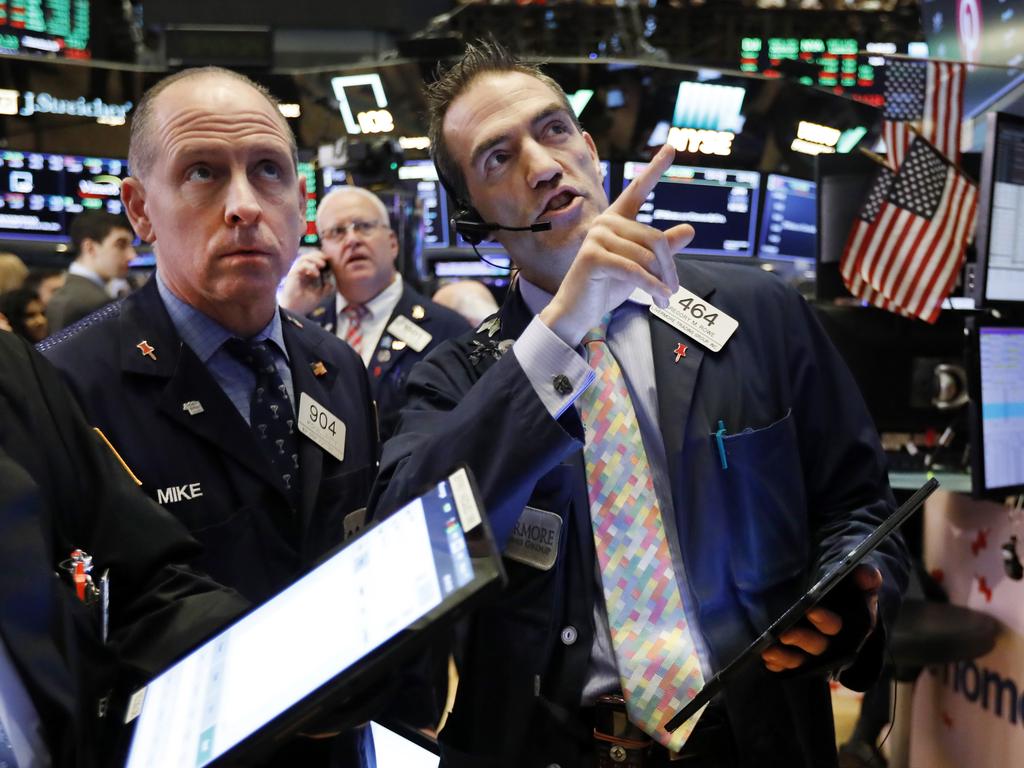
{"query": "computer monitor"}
(997, 408)
(41, 193)
(430, 199)
(789, 222)
(999, 277)
(841, 182)
(720, 204)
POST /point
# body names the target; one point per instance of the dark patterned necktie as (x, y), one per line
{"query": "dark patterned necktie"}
(270, 413)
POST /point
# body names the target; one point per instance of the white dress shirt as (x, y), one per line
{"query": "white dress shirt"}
(379, 310)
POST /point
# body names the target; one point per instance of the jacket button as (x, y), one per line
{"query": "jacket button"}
(569, 635)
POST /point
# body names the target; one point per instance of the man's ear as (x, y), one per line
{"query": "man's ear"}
(133, 195)
(302, 202)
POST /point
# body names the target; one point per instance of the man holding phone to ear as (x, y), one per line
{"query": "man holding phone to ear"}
(383, 318)
(668, 451)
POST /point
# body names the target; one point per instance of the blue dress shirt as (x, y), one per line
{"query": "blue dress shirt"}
(206, 338)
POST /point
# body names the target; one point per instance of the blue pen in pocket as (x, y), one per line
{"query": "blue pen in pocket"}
(721, 444)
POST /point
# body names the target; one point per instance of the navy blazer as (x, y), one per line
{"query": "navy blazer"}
(203, 463)
(393, 359)
(805, 480)
(61, 489)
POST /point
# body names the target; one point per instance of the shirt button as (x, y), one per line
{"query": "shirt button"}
(569, 635)
(562, 384)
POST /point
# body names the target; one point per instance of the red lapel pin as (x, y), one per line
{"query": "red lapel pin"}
(146, 349)
(680, 351)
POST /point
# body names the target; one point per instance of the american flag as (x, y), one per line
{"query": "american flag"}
(915, 249)
(925, 95)
(853, 254)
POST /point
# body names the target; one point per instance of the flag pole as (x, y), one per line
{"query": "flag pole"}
(876, 157)
(906, 57)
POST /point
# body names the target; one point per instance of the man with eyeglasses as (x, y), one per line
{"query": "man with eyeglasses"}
(390, 324)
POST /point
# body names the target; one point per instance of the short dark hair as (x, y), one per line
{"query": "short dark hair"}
(14, 305)
(37, 275)
(481, 58)
(142, 153)
(95, 225)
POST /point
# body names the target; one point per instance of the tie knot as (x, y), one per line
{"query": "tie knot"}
(254, 354)
(599, 332)
(355, 311)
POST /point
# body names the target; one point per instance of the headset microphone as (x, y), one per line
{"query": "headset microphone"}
(474, 229)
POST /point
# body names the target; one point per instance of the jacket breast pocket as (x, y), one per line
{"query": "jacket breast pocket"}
(340, 494)
(765, 504)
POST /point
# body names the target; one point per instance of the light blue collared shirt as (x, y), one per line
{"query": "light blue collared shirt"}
(20, 727)
(206, 338)
(542, 355)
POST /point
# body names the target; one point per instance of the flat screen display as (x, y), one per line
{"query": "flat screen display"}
(1001, 213)
(431, 201)
(788, 219)
(720, 204)
(1001, 375)
(401, 572)
(40, 194)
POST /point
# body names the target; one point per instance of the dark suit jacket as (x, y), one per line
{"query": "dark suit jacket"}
(393, 360)
(61, 489)
(206, 468)
(805, 481)
(78, 297)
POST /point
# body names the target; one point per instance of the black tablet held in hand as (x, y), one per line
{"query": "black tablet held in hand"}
(808, 600)
(325, 638)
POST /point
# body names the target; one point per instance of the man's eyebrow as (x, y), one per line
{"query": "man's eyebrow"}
(489, 144)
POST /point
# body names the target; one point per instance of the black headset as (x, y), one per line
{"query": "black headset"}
(471, 225)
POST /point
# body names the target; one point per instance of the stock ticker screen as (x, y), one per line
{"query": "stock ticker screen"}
(40, 194)
(430, 200)
(789, 219)
(49, 27)
(720, 204)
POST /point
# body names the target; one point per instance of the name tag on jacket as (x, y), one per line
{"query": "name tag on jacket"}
(535, 538)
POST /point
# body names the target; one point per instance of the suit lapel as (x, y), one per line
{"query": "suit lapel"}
(386, 355)
(676, 381)
(303, 353)
(145, 325)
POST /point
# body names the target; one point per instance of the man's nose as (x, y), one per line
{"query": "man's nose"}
(541, 166)
(241, 205)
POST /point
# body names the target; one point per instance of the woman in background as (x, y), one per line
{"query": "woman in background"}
(24, 313)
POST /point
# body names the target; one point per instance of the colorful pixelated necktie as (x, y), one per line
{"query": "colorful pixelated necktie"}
(355, 313)
(657, 659)
(270, 413)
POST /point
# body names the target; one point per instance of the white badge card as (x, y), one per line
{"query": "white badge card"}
(465, 502)
(404, 329)
(321, 426)
(699, 319)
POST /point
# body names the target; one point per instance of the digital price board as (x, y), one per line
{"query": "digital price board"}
(41, 193)
(48, 27)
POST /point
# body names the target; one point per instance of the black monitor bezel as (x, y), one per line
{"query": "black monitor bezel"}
(983, 229)
(979, 490)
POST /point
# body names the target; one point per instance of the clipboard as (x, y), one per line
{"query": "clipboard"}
(808, 600)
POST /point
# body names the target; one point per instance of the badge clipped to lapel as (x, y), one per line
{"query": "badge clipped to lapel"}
(405, 330)
(701, 320)
(192, 407)
(321, 426)
(535, 538)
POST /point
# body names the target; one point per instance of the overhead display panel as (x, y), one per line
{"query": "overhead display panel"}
(48, 27)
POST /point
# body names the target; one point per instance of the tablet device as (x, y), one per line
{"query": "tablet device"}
(323, 639)
(808, 600)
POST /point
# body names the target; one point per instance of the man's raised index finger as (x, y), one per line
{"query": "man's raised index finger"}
(632, 197)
